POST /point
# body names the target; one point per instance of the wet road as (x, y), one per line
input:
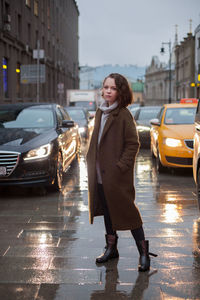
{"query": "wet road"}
(48, 248)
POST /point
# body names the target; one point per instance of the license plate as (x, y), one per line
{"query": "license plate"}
(2, 171)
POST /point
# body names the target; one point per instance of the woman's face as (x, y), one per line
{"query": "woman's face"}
(110, 91)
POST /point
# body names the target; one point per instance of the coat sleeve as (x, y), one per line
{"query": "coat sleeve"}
(131, 144)
(94, 137)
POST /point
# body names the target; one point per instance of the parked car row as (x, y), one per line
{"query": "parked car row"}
(174, 136)
(39, 142)
(168, 131)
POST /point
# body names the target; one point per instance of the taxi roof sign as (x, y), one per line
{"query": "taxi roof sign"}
(189, 100)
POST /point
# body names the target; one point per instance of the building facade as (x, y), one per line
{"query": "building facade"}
(197, 62)
(48, 25)
(158, 79)
(185, 68)
(138, 92)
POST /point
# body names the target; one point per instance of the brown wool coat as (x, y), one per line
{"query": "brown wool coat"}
(117, 151)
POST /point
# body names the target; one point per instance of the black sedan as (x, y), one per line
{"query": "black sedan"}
(38, 142)
(83, 119)
(142, 116)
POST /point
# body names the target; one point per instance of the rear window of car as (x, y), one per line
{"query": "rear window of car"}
(149, 113)
(76, 114)
(179, 115)
(27, 118)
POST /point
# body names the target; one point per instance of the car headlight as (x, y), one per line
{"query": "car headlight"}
(82, 129)
(40, 152)
(172, 142)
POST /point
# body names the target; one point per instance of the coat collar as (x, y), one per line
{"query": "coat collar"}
(112, 115)
(114, 112)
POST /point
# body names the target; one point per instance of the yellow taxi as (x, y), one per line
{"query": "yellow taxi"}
(172, 135)
(196, 156)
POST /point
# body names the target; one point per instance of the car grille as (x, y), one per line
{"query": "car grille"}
(189, 143)
(179, 160)
(9, 160)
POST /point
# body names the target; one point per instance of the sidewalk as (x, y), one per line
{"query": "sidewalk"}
(48, 248)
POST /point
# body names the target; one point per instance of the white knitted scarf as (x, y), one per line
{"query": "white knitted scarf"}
(104, 117)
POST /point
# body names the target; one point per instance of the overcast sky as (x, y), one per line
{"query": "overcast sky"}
(131, 31)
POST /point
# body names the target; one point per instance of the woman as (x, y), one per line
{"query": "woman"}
(110, 158)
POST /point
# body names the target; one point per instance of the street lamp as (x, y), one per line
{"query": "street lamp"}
(162, 51)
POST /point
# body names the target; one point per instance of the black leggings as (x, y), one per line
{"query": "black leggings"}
(137, 233)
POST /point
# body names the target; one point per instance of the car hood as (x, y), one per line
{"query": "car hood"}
(17, 139)
(179, 131)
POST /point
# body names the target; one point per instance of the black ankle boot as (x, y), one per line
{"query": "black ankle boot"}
(144, 260)
(111, 249)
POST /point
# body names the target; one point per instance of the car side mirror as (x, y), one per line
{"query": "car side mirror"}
(155, 122)
(67, 123)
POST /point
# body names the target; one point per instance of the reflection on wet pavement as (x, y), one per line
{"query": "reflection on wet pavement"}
(48, 248)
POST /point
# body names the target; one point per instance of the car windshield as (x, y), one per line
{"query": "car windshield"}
(76, 114)
(27, 118)
(183, 115)
(148, 113)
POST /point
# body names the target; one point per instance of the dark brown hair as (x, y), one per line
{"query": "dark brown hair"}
(125, 94)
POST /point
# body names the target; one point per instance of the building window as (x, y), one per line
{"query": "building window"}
(53, 84)
(42, 11)
(29, 34)
(36, 38)
(19, 20)
(153, 92)
(18, 80)
(49, 49)
(53, 53)
(48, 17)
(28, 3)
(43, 43)
(7, 9)
(36, 8)
(5, 77)
(49, 87)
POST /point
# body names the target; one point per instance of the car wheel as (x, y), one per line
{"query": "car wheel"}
(59, 173)
(198, 188)
(159, 166)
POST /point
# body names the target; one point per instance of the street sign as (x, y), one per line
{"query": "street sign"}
(60, 88)
(38, 53)
(29, 74)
